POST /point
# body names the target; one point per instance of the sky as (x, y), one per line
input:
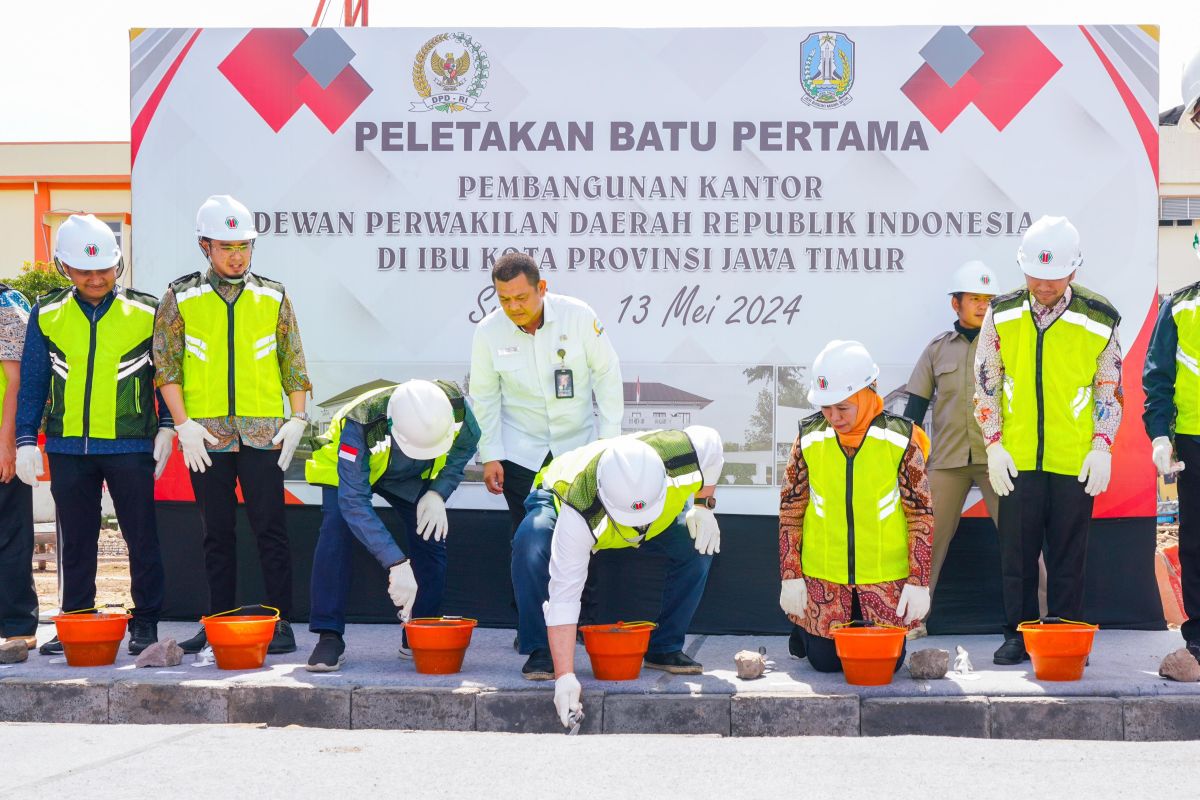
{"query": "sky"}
(66, 62)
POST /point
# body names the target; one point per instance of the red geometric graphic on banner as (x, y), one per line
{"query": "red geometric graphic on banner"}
(1013, 68)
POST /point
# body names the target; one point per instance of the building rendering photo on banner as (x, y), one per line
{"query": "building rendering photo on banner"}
(726, 200)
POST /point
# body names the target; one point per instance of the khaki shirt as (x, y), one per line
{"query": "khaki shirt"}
(945, 374)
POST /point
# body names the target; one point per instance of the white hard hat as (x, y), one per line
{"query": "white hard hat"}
(86, 243)
(632, 482)
(973, 277)
(1191, 93)
(421, 420)
(1050, 249)
(840, 370)
(223, 218)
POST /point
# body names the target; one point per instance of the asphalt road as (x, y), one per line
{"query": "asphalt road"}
(196, 761)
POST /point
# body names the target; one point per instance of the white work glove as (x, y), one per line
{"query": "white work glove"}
(431, 516)
(29, 464)
(914, 603)
(702, 525)
(192, 436)
(1001, 469)
(289, 436)
(1097, 469)
(1161, 455)
(793, 597)
(567, 693)
(402, 588)
(162, 450)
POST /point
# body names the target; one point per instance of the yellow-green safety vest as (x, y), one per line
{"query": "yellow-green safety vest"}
(1187, 360)
(230, 366)
(855, 530)
(1046, 402)
(572, 479)
(370, 410)
(11, 298)
(101, 374)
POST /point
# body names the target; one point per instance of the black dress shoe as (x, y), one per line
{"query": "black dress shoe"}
(677, 663)
(1194, 649)
(796, 642)
(284, 640)
(51, 648)
(142, 634)
(538, 667)
(195, 644)
(1011, 652)
(328, 655)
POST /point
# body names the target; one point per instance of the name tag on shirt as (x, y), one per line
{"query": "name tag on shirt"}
(564, 384)
(508, 351)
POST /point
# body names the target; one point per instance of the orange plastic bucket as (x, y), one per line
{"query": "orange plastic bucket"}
(91, 640)
(439, 644)
(1059, 648)
(868, 652)
(240, 642)
(616, 651)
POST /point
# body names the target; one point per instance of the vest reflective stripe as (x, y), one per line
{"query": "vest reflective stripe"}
(370, 409)
(1187, 360)
(855, 531)
(216, 384)
(102, 378)
(572, 479)
(1047, 402)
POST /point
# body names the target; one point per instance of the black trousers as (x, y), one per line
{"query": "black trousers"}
(76, 483)
(18, 598)
(821, 651)
(518, 482)
(1188, 483)
(261, 480)
(1051, 513)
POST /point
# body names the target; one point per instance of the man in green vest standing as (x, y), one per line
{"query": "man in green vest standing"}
(410, 444)
(227, 349)
(1172, 382)
(631, 491)
(1048, 400)
(87, 349)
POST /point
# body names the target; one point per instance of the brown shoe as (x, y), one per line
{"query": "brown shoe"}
(30, 641)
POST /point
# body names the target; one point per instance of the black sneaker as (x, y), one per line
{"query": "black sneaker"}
(538, 667)
(328, 655)
(51, 648)
(195, 644)
(284, 640)
(142, 634)
(796, 643)
(1011, 652)
(677, 663)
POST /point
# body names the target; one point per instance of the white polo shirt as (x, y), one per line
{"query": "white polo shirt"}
(512, 383)
(571, 547)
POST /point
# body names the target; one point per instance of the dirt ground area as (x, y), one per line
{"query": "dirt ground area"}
(112, 574)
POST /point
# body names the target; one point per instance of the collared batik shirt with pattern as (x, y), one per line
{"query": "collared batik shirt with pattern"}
(231, 431)
(1107, 392)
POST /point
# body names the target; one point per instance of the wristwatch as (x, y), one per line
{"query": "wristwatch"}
(709, 502)
(300, 415)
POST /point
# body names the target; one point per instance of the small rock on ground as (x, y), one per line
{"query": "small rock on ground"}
(929, 664)
(1180, 666)
(161, 654)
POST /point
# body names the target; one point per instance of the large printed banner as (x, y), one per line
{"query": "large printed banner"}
(727, 200)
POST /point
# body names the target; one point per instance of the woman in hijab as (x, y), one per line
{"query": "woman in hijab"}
(855, 517)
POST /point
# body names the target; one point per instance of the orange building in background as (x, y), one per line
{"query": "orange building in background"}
(42, 183)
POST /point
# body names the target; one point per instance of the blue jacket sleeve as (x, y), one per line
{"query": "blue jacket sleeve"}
(35, 383)
(459, 456)
(354, 497)
(164, 413)
(1158, 376)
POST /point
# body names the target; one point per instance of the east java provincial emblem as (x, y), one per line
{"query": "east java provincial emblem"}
(827, 69)
(450, 73)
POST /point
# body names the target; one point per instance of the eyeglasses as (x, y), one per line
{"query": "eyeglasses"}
(234, 247)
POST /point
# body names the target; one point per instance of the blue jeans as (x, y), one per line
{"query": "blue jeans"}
(331, 565)
(687, 574)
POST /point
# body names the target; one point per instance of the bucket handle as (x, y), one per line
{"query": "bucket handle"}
(859, 623)
(638, 624)
(239, 608)
(1055, 620)
(96, 608)
(445, 618)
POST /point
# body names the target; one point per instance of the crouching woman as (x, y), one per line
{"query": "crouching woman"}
(855, 516)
